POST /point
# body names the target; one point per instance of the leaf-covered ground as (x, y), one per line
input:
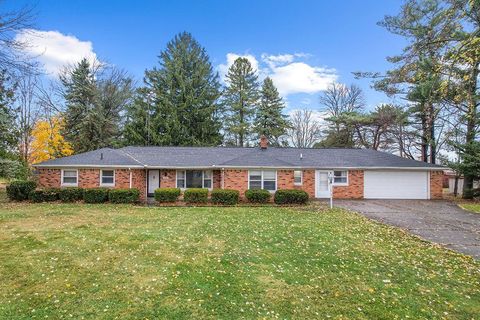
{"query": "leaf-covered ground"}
(124, 262)
(473, 207)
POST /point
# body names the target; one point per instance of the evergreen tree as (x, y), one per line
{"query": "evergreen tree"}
(269, 119)
(241, 98)
(8, 134)
(82, 125)
(95, 100)
(139, 129)
(180, 99)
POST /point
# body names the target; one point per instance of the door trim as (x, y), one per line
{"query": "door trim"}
(317, 172)
(148, 181)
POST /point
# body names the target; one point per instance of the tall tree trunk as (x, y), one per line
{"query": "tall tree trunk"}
(424, 136)
(471, 123)
(431, 125)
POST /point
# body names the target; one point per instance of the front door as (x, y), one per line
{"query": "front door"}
(153, 181)
(322, 187)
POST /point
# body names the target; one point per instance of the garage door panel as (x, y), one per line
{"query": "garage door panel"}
(396, 185)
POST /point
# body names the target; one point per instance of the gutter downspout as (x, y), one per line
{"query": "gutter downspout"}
(130, 183)
(223, 178)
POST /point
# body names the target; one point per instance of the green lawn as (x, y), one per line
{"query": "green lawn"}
(106, 261)
(474, 207)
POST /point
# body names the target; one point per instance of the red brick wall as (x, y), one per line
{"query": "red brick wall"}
(217, 179)
(168, 178)
(354, 190)
(139, 181)
(49, 178)
(436, 185)
(236, 179)
(285, 180)
(90, 178)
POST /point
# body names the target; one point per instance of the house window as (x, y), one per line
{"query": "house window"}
(297, 177)
(262, 179)
(70, 178)
(194, 179)
(340, 177)
(107, 178)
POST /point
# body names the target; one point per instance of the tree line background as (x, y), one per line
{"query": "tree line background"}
(182, 102)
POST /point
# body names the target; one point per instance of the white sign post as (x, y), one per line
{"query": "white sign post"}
(330, 187)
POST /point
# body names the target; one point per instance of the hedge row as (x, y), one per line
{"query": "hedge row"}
(230, 197)
(23, 190)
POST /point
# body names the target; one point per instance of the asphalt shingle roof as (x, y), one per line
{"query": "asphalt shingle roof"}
(205, 157)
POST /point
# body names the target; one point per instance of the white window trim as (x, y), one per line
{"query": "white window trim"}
(340, 184)
(185, 179)
(63, 184)
(301, 178)
(276, 180)
(107, 184)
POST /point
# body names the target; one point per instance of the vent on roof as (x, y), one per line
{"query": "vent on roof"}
(101, 156)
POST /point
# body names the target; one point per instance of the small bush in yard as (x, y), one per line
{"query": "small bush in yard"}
(44, 195)
(95, 195)
(225, 196)
(292, 196)
(124, 195)
(258, 195)
(166, 194)
(195, 195)
(19, 190)
(71, 194)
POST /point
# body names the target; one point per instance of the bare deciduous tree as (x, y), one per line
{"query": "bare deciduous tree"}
(12, 57)
(305, 130)
(339, 98)
(28, 112)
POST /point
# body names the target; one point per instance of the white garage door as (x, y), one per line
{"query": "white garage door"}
(396, 185)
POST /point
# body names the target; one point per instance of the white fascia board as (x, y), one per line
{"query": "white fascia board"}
(237, 167)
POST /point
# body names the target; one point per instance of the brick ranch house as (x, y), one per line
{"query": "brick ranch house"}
(358, 173)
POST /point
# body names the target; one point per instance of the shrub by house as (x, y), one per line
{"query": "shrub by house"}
(290, 196)
(20, 190)
(224, 196)
(163, 195)
(258, 195)
(123, 195)
(195, 195)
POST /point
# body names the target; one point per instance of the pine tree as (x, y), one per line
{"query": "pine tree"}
(269, 119)
(95, 100)
(82, 125)
(139, 129)
(241, 98)
(180, 99)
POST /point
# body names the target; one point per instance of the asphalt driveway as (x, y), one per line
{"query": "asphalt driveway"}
(442, 222)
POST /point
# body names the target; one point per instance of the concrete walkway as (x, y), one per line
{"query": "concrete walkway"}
(442, 222)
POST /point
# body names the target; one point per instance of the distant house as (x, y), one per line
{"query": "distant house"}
(451, 177)
(357, 173)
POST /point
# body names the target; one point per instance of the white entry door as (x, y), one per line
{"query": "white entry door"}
(153, 181)
(322, 187)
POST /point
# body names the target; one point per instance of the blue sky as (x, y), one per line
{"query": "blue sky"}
(302, 44)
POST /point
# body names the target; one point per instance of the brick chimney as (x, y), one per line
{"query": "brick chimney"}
(263, 142)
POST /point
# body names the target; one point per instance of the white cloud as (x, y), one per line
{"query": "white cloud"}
(55, 50)
(281, 59)
(300, 77)
(289, 75)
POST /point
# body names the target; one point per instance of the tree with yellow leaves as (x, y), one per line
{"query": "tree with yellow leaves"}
(48, 142)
